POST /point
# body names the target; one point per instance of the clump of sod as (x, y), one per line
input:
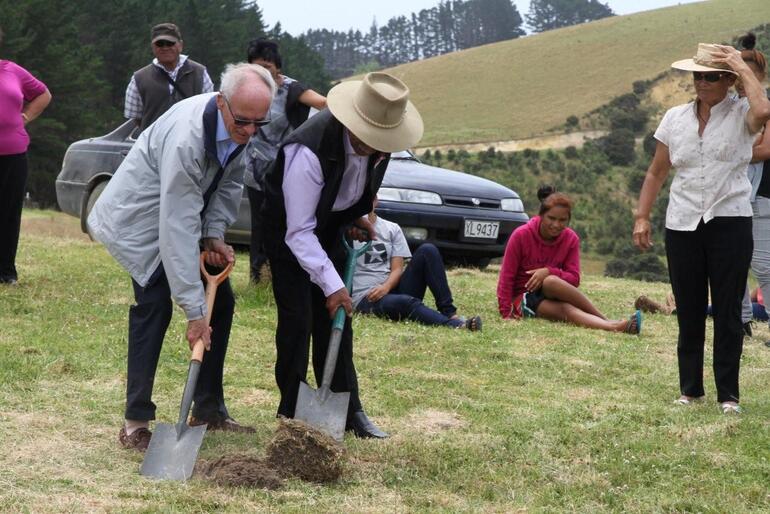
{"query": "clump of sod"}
(241, 471)
(299, 450)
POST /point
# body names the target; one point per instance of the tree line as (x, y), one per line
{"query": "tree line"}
(450, 26)
(86, 52)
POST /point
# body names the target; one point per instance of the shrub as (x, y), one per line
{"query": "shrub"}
(639, 266)
(571, 152)
(618, 145)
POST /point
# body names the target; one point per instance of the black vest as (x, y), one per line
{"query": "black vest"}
(323, 135)
(153, 85)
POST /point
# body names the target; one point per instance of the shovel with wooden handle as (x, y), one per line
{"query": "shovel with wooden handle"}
(173, 449)
(322, 408)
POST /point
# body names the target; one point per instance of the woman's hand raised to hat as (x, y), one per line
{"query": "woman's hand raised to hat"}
(731, 57)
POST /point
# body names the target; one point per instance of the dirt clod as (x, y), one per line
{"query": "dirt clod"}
(299, 450)
(241, 471)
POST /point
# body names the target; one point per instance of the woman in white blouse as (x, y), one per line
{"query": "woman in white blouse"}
(708, 221)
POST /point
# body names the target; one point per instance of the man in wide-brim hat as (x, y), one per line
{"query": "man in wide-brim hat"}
(324, 180)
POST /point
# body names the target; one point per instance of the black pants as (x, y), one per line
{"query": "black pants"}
(256, 247)
(715, 255)
(148, 320)
(302, 313)
(13, 181)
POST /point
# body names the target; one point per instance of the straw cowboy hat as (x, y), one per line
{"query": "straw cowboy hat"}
(703, 60)
(378, 111)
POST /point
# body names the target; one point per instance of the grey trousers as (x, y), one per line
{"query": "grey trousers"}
(760, 259)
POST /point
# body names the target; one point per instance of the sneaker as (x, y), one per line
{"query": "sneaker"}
(139, 439)
(730, 408)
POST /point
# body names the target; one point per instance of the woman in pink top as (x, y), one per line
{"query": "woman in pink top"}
(541, 271)
(22, 99)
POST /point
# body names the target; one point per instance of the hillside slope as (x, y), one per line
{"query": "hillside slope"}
(524, 87)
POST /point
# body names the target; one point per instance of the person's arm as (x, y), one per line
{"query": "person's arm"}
(179, 228)
(302, 186)
(222, 209)
(761, 150)
(133, 107)
(36, 106)
(570, 272)
(653, 181)
(376, 293)
(208, 85)
(507, 277)
(313, 99)
(759, 105)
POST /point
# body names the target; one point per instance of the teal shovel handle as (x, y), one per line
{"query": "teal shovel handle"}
(350, 269)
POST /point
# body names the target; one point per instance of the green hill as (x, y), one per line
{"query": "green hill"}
(525, 87)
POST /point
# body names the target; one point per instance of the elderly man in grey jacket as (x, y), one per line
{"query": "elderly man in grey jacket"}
(178, 189)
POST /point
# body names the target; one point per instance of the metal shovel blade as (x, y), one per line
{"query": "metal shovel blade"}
(173, 451)
(323, 409)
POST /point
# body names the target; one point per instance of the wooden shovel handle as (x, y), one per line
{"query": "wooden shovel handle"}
(212, 282)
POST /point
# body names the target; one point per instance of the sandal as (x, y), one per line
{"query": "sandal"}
(634, 324)
(730, 408)
(473, 324)
(688, 400)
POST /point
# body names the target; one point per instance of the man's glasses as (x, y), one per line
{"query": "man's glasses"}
(712, 76)
(162, 43)
(245, 123)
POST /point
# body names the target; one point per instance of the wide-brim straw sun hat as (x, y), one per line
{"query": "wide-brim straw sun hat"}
(703, 60)
(377, 111)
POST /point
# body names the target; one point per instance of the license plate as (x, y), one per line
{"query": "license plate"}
(482, 229)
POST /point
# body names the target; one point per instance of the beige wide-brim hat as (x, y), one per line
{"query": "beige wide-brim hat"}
(703, 60)
(377, 111)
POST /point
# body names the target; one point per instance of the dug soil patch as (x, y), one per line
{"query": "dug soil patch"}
(241, 471)
(299, 450)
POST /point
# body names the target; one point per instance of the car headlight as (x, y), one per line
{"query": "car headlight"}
(393, 194)
(511, 204)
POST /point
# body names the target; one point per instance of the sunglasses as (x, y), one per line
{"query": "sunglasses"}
(162, 43)
(713, 76)
(240, 122)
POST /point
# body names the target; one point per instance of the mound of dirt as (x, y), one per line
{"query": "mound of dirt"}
(299, 450)
(241, 471)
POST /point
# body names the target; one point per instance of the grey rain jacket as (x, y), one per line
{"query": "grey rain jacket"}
(150, 212)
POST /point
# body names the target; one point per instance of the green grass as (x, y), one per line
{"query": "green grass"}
(529, 415)
(524, 87)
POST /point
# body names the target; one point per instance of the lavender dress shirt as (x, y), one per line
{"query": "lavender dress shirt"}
(302, 185)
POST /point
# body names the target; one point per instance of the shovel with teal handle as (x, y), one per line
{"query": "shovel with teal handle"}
(323, 409)
(173, 449)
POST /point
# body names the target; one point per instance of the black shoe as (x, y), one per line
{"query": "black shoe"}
(363, 427)
(747, 329)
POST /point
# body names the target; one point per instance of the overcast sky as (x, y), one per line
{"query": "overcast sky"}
(296, 16)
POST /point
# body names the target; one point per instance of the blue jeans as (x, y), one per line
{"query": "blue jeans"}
(425, 271)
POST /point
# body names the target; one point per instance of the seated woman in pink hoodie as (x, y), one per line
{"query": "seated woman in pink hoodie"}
(541, 271)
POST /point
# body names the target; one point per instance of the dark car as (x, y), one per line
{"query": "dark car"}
(468, 218)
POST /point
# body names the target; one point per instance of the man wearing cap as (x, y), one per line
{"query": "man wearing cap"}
(324, 179)
(179, 187)
(171, 77)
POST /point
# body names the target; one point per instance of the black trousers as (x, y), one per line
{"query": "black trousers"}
(257, 255)
(716, 255)
(148, 320)
(302, 313)
(13, 181)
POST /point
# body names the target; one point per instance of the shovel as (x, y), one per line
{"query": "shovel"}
(173, 449)
(323, 409)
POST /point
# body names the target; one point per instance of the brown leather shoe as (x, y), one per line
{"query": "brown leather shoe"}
(223, 424)
(139, 439)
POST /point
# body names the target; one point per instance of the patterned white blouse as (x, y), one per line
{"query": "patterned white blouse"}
(710, 177)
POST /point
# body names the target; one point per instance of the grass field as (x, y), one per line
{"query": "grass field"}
(527, 416)
(524, 87)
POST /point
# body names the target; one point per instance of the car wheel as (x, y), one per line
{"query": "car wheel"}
(92, 197)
